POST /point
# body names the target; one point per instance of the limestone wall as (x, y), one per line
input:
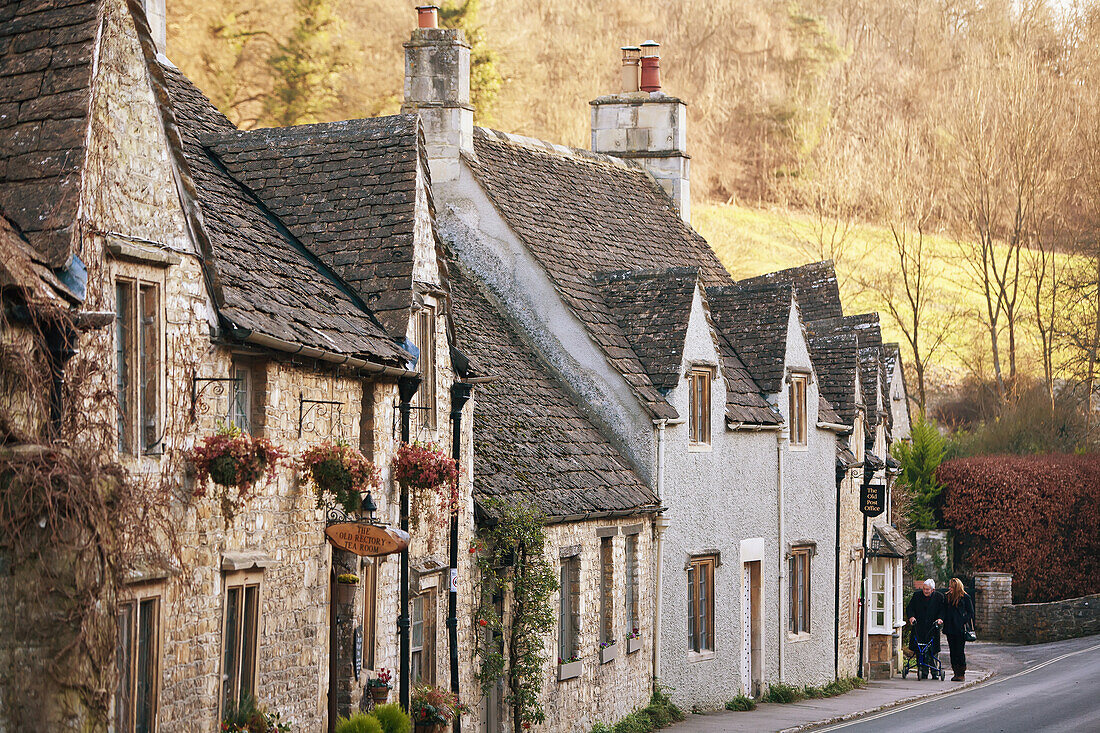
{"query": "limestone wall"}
(1038, 623)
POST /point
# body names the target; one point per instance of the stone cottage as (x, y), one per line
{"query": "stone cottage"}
(226, 296)
(590, 258)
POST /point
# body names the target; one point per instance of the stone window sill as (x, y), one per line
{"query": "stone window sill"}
(703, 656)
(700, 448)
(799, 638)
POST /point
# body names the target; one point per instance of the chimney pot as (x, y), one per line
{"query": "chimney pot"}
(651, 67)
(630, 68)
(427, 16)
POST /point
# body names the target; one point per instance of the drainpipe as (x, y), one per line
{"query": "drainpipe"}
(780, 449)
(659, 526)
(406, 387)
(460, 393)
(841, 472)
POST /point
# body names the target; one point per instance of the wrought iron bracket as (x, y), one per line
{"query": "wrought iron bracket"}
(216, 385)
(316, 409)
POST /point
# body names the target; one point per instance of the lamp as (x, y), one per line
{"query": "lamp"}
(369, 507)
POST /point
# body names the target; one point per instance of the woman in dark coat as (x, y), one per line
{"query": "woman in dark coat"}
(925, 612)
(959, 612)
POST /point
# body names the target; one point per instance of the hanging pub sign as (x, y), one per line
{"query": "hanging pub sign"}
(367, 540)
(872, 499)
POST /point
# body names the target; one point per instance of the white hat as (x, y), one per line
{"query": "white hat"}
(930, 584)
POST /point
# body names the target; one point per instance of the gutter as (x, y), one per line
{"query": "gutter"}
(309, 352)
(833, 426)
(612, 514)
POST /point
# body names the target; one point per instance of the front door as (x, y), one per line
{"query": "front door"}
(752, 642)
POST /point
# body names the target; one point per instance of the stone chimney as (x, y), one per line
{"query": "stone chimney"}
(156, 14)
(437, 86)
(648, 125)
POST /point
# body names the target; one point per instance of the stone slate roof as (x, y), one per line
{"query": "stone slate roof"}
(23, 268)
(532, 442)
(265, 280)
(46, 65)
(653, 308)
(815, 286)
(580, 213)
(825, 411)
(892, 542)
(347, 190)
(835, 354)
(754, 316)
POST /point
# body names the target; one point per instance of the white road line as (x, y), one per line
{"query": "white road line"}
(934, 698)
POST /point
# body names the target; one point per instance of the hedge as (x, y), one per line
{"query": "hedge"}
(1037, 517)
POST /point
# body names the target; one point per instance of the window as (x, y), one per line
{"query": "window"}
(239, 637)
(799, 578)
(631, 567)
(569, 612)
(879, 600)
(135, 703)
(422, 639)
(425, 342)
(607, 590)
(699, 409)
(240, 396)
(701, 603)
(137, 364)
(370, 609)
(797, 413)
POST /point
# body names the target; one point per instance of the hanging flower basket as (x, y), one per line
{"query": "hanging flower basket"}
(339, 471)
(426, 471)
(433, 708)
(234, 462)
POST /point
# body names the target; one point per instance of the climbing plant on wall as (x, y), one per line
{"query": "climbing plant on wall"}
(514, 574)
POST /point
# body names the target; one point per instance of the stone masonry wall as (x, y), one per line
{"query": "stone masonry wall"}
(992, 592)
(1038, 623)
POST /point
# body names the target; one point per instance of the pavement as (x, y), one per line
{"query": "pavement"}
(886, 704)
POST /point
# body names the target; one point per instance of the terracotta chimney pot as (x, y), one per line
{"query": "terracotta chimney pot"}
(651, 67)
(630, 68)
(427, 16)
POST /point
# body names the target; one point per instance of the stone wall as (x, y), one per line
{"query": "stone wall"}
(1038, 623)
(992, 592)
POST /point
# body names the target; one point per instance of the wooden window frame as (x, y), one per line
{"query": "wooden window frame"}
(424, 320)
(798, 586)
(630, 564)
(859, 443)
(241, 395)
(139, 379)
(426, 599)
(798, 391)
(135, 598)
(370, 610)
(607, 589)
(242, 670)
(569, 630)
(700, 577)
(700, 385)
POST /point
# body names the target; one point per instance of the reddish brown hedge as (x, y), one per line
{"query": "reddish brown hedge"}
(1037, 517)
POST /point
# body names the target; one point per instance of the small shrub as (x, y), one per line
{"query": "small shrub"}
(359, 723)
(392, 718)
(249, 716)
(636, 722)
(741, 703)
(601, 728)
(814, 693)
(661, 710)
(783, 693)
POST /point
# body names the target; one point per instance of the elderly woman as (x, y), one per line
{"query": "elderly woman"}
(959, 615)
(925, 612)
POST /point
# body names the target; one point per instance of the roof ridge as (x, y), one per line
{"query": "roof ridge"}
(605, 276)
(544, 146)
(297, 131)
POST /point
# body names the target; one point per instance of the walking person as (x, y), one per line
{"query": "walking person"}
(959, 615)
(925, 612)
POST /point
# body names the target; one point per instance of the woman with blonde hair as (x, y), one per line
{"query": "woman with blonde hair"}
(957, 620)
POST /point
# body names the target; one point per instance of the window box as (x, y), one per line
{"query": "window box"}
(608, 653)
(569, 670)
(634, 644)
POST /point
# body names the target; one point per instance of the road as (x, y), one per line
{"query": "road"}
(1053, 687)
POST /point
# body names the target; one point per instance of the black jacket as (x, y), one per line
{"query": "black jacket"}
(958, 616)
(926, 610)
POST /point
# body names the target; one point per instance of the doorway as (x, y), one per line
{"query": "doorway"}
(753, 635)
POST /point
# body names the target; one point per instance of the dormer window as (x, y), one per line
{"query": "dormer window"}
(797, 412)
(425, 341)
(699, 380)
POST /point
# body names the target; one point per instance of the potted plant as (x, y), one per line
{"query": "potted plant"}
(425, 470)
(633, 641)
(234, 462)
(248, 716)
(608, 651)
(569, 667)
(346, 583)
(379, 686)
(336, 469)
(433, 708)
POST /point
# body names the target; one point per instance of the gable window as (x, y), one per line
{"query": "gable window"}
(631, 568)
(607, 586)
(137, 365)
(422, 639)
(699, 380)
(240, 406)
(138, 651)
(700, 577)
(569, 620)
(797, 412)
(798, 570)
(240, 637)
(425, 343)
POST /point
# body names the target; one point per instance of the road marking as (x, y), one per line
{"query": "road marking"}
(934, 698)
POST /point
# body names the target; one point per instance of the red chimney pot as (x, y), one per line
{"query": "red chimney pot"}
(427, 16)
(651, 67)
